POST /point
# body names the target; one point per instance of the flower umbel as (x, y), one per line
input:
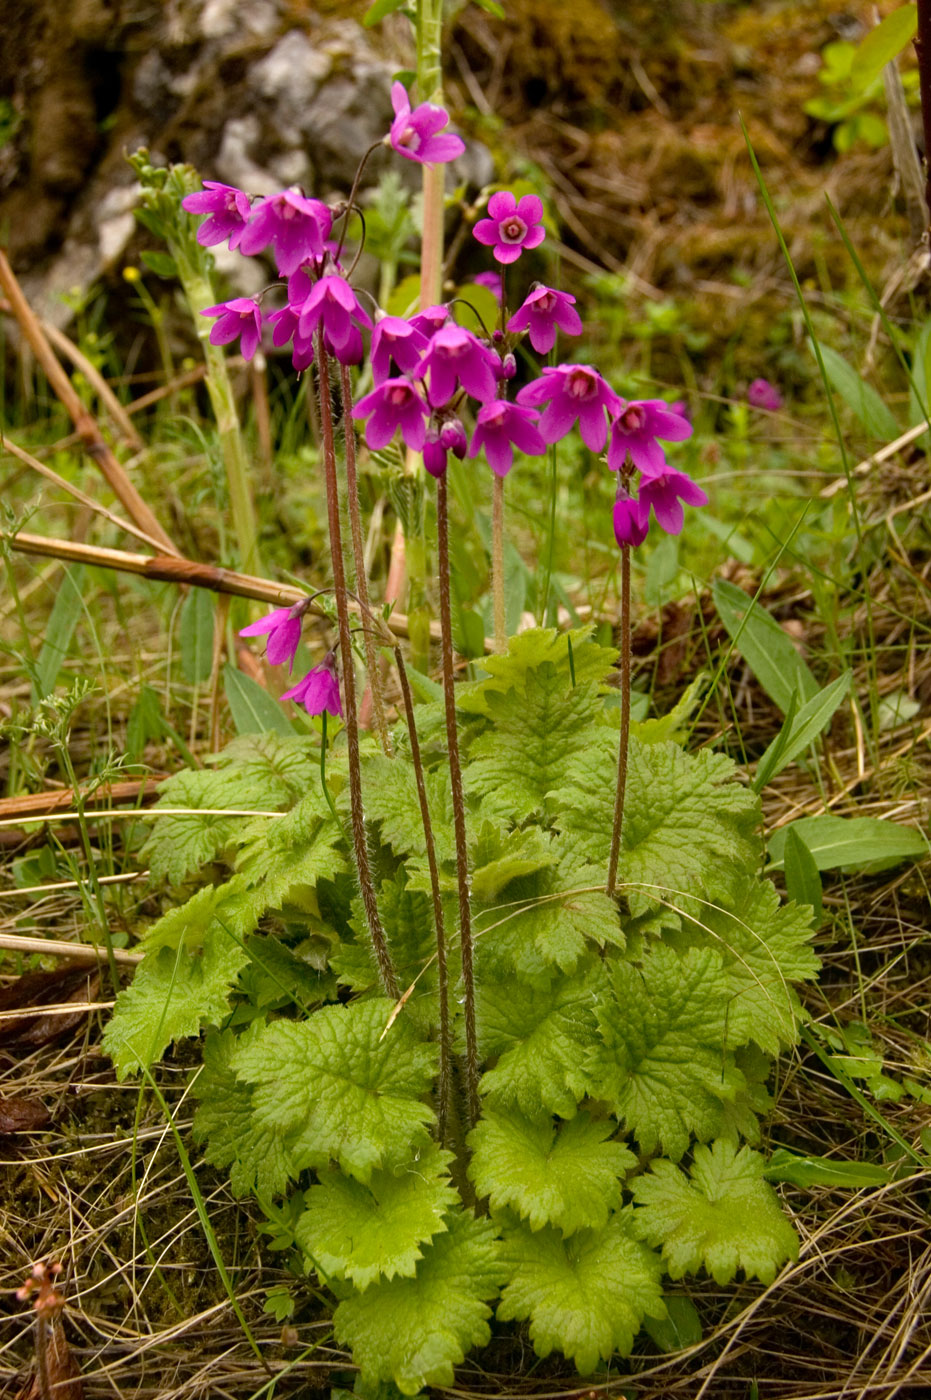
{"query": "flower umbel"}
(454, 355)
(512, 225)
(296, 227)
(416, 134)
(319, 690)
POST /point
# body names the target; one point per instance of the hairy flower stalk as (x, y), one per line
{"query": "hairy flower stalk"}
(455, 785)
(497, 564)
(359, 841)
(446, 1083)
(621, 788)
(358, 555)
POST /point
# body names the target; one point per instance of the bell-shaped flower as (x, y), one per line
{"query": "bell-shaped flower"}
(543, 313)
(762, 394)
(634, 433)
(631, 520)
(282, 627)
(572, 392)
(296, 227)
(431, 319)
(240, 317)
(418, 134)
(512, 225)
(455, 356)
(391, 405)
(395, 340)
(499, 428)
(319, 690)
(228, 208)
(334, 306)
(664, 493)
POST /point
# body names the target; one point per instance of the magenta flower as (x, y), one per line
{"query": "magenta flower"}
(492, 282)
(431, 319)
(229, 210)
(454, 355)
(333, 305)
(395, 339)
(574, 392)
(762, 394)
(665, 492)
(318, 692)
(543, 313)
(631, 520)
(511, 226)
(239, 317)
(393, 404)
(296, 227)
(634, 432)
(283, 629)
(444, 435)
(284, 325)
(415, 134)
(502, 426)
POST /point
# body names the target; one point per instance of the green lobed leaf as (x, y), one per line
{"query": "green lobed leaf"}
(391, 799)
(254, 1152)
(765, 647)
(661, 1063)
(414, 1331)
(672, 725)
(283, 860)
(586, 1296)
(865, 844)
(541, 1039)
(566, 1174)
(407, 921)
(527, 652)
(362, 1233)
(343, 1084)
(725, 1217)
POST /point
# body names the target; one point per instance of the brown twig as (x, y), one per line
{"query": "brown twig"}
(42, 803)
(84, 422)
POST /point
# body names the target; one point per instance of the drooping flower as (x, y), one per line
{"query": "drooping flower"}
(229, 210)
(499, 428)
(431, 319)
(631, 520)
(333, 305)
(295, 226)
(512, 225)
(282, 626)
(239, 317)
(635, 430)
(416, 134)
(454, 355)
(491, 281)
(393, 404)
(665, 493)
(285, 328)
(543, 313)
(395, 339)
(574, 392)
(319, 690)
(762, 394)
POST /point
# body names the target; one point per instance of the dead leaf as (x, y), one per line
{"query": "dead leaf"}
(29, 993)
(22, 1115)
(64, 1377)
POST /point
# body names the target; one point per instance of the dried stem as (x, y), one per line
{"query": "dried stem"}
(455, 784)
(625, 721)
(358, 555)
(442, 969)
(497, 565)
(359, 840)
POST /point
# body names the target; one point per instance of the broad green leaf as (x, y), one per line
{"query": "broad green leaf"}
(764, 646)
(343, 1084)
(391, 799)
(863, 844)
(672, 725)
(407, 922)
(723, 1215)
(209, 910)
(541, 1039)
(196, 635)
(805, 1172)
(363, 1233)
(381, 9)
(861, 398)
(803, 880)
(800, 730)
(586, 1296)
(766, 947)
(163, 265)
(414, 1331)
(527, 652)
(497, 860)
(254, 711)
(662, 1062)
(679, 1329)
(59, 630)
(173, 995)
(882, 44)
(283, 859)
(566, 1174)
(254, 1153)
